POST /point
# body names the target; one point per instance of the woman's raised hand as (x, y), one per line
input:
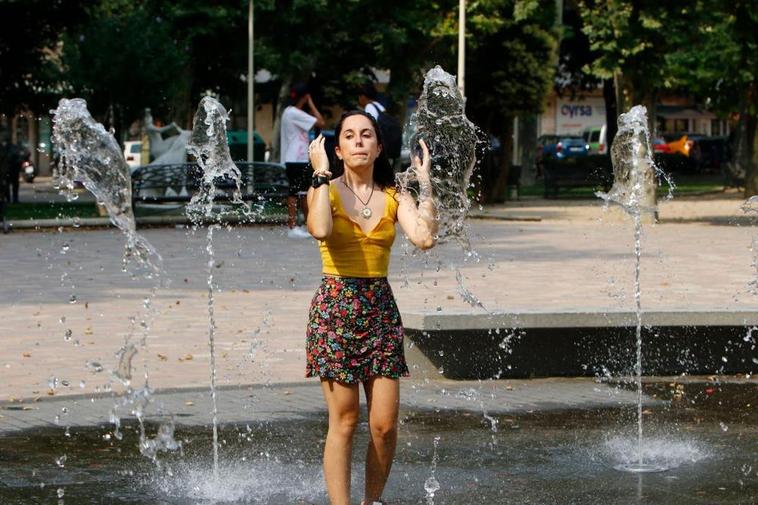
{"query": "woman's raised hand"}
(422, 166)
(318, 157)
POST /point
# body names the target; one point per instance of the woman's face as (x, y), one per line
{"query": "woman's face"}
(357, 145)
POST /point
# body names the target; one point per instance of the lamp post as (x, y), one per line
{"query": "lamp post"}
(462, 46)
(250, 85)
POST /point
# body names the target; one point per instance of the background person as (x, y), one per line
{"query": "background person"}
(13, 156)
(367, 99)
(294, 140)
(355, 334)
(5, 151)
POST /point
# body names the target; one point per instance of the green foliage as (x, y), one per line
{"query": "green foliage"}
(511, 63)
(719, 61)
(124, 59)
(628, 38)
(28, 49)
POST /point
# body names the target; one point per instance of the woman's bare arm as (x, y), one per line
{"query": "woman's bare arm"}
(319, 208)
(419, 221)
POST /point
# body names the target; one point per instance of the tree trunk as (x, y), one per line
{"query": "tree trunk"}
(611, 112)
(750, 155)
(618, 86)
(528, 139)
(497, 184)
(649, 101)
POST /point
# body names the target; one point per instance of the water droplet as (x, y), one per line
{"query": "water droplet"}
(52, 382)
(431, 486)
(62, 320)
(723, 426)
(82, 384)
(60, 492)
(67, 335)
(65, 248)
(61, 462)
(94, 366)
(72, 299)
(77, 221)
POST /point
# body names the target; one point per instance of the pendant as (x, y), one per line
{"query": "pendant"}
(366, 213)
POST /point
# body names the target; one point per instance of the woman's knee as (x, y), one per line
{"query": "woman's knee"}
(383, 429)
(343, 425)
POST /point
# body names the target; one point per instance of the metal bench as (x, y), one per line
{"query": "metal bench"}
(592, 171)
(178, 182)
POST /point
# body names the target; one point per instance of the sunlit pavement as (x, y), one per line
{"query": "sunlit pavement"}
(266, 281)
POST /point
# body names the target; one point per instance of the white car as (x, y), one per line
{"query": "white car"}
(133, 153)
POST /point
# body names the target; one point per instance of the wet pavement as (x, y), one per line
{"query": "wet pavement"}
(706, 432)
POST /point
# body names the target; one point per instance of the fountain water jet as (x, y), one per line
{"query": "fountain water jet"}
(454, 142)
(90, 155)
(209, 146)
(634, 189)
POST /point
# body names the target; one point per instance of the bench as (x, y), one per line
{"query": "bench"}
(178, 182)
(593, 170)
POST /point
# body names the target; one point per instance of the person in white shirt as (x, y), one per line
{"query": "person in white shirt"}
(367, 100)
(294, 141)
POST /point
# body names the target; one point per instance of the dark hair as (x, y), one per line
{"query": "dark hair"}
(298, 91)
(367, 89)
(384, 176)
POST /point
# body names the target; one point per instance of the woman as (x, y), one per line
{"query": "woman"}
(355, 335)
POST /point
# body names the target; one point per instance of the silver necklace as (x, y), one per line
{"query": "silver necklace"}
(365, 211)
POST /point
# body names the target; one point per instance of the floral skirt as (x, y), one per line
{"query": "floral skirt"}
(354, 331)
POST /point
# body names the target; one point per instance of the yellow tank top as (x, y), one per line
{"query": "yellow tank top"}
(349, 252)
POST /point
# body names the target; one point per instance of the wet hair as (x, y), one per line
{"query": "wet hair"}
(368, 90)
(298, 91)
(384, 176)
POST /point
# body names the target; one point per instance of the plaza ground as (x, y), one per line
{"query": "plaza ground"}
(66, 303)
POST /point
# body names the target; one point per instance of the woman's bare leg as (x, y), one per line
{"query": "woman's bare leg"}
(383, 398)
(342, 402)
(292, 211)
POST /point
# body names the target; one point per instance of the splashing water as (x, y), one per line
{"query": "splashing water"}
(432, 485)
(453, 142)
(259, 480)
(634, 172)
(88, 153)
(208, 144)
(660, 452)
(751, 207)
(634, 189)
(91, 155)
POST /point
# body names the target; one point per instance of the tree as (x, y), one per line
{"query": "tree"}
(630, 39)
(510, 69)
(29, 39)
(719, 63)
(124, 62)
(336, 49)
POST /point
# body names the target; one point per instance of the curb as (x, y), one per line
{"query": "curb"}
(97, 222)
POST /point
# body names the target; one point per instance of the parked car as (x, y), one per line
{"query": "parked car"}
(595, 138)
(560, 147)
(690, 152)
(133, 153)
